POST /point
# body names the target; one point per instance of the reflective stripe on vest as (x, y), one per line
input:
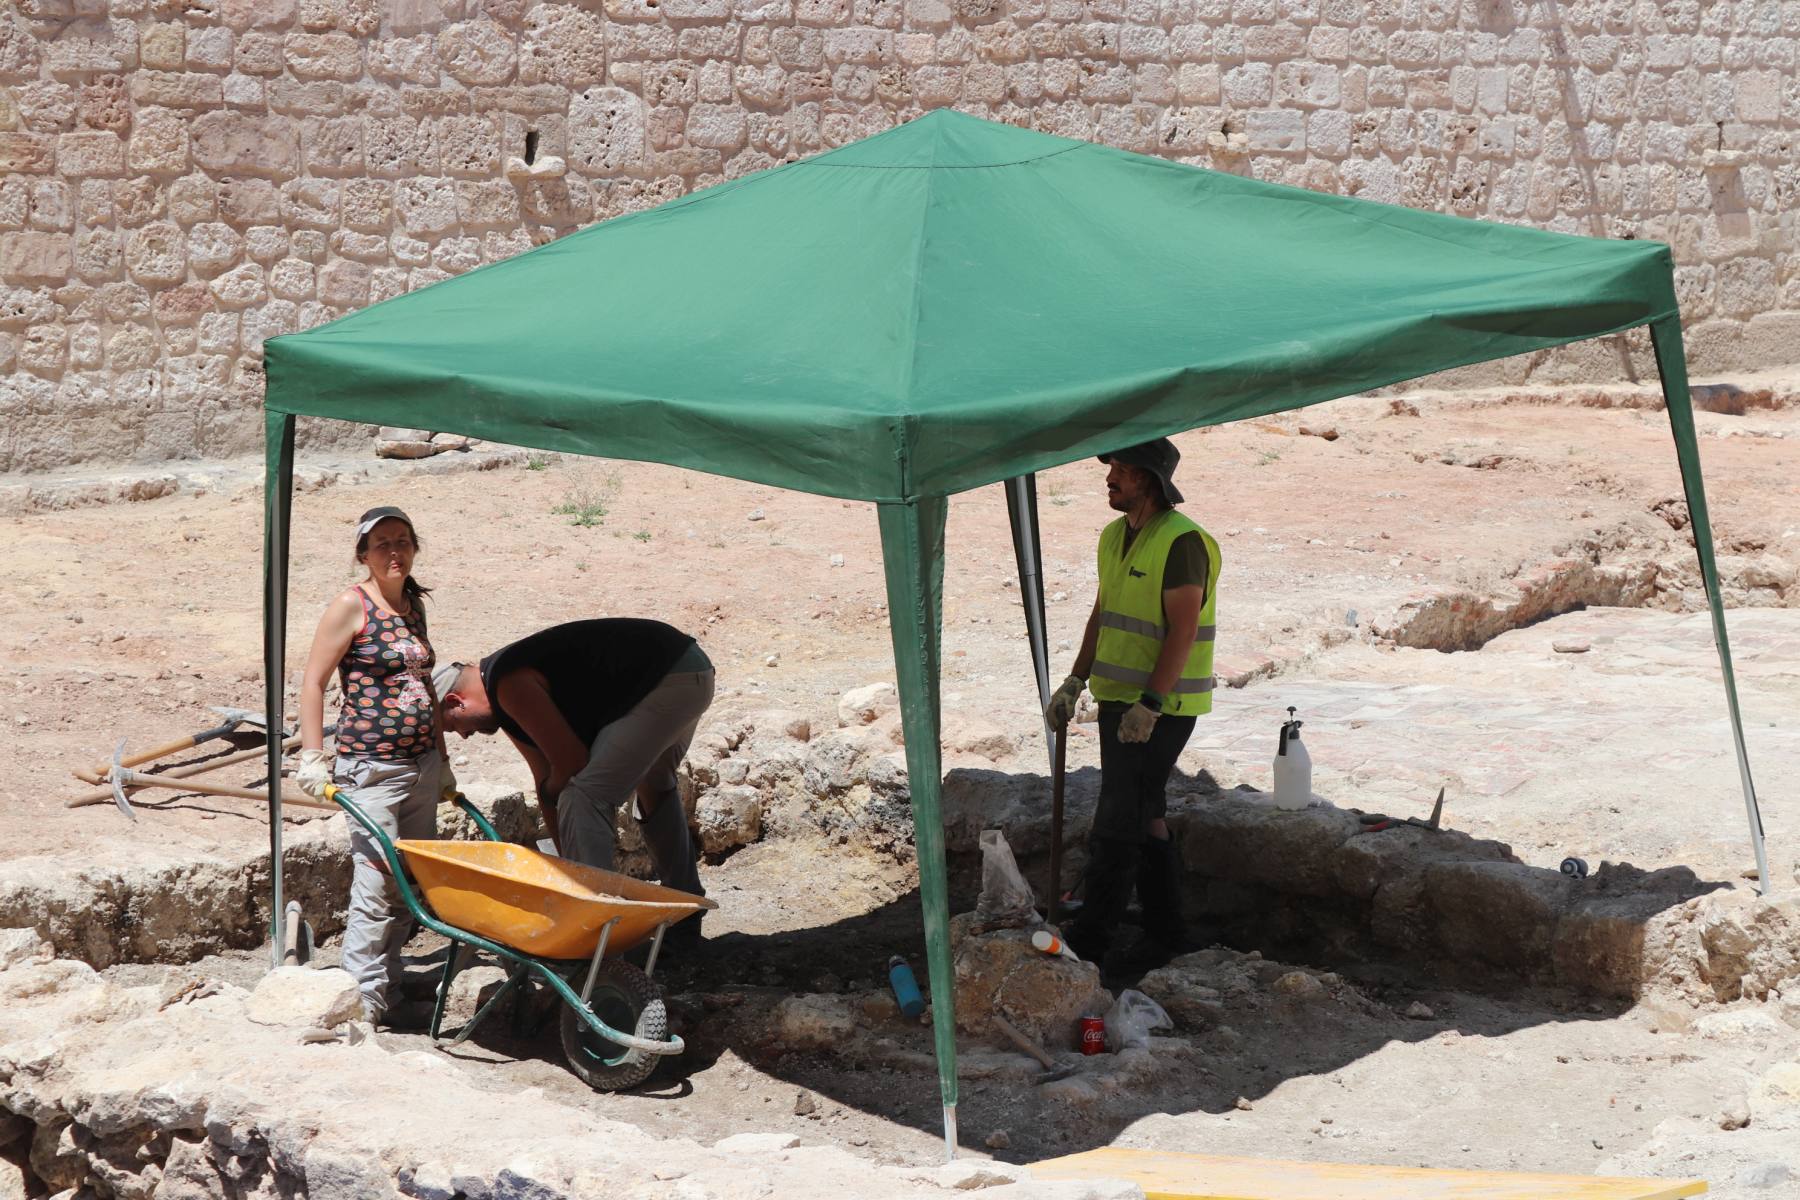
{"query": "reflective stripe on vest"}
(1133, 624)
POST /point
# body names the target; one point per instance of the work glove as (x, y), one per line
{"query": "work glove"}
(447, 789)
(314, 773)
(1062, 702)
(1136, 724)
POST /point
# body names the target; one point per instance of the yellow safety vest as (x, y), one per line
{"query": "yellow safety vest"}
(1132, 621)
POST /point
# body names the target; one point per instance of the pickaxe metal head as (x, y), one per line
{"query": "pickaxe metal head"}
(113, 776)
(239, 716)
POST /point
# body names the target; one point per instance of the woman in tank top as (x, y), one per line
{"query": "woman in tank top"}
(389, 752)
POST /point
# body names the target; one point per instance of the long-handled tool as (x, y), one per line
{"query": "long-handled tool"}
(188, 772)
(234, 717)
(1051, 1070)
(296, 938)
(1376, 822)
(1058, 772)
(122, 777)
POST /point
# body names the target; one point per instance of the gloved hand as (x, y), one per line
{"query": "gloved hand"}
(1062, 701)
(313, 773)
(447, 789)
(1136, 724)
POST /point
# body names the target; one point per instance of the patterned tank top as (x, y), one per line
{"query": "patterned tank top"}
(387, 706)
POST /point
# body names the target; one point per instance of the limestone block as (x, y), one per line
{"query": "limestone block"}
(367, 204)
(486, 203)
(260, 54)
(29, 256)
(344, 282)
(728, 817)
(385, 283)
(292, 279)
(132, 347)
(717, 126)
(265, 321)
(44, 349)
(171, 89)
(457, 254)
(425, 206)
(210, 48)
(19, 50)
(241, 287)
(308, 244)
(323, 56)
(213, 246)
(159, 141)
(369, 247)
(813, 1022)
(406, 59)
(1273, 130)
(124, 301)
(249, 201)
(19, 946)
(52, 205)
(266, 243)
(29, 153)
(1496, 912)
(478, 53)
(156, 253)
(105, 107)
(606, 130)
(86, 47)
(859, 45)
(334, 145)
(359, 17)
(310, 202)
(564, 44)
(85, 350)
(237, 144)
(20, 307)
(98, 255)
(182, 305)
(304, 998)
(398, 146)
(469, 145)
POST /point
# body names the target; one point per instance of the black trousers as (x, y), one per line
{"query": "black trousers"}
(1122, 854)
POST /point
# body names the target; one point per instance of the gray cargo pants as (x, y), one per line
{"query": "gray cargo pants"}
(401, 798)
(639, 753)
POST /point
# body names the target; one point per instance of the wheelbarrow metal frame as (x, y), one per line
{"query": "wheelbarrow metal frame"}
(524, 966)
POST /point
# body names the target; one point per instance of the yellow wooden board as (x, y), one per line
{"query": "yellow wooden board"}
(1171, 1175)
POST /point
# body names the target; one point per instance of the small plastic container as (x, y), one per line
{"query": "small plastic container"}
(906, 988)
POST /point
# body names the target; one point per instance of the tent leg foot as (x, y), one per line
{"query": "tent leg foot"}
(949, 1133)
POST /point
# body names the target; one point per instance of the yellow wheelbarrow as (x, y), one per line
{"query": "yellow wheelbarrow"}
(550, 919)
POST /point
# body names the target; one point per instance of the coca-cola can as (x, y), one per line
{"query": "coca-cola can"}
(1093, 1035)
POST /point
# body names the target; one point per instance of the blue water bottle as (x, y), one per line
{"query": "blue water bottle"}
(906, 988)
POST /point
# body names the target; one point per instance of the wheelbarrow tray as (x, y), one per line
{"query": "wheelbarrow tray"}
(537, 903)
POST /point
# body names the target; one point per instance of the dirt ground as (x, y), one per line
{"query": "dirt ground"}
(1344, 556)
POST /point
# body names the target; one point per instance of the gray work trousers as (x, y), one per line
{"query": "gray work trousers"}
(638, 753)
(400, 797)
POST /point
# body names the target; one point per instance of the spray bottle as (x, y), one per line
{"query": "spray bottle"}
(1293, 767)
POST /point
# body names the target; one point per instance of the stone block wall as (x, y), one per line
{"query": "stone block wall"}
(180, 179)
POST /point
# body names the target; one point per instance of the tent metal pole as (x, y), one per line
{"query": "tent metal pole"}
(278, 497)
(1022, 514)
(1671, 364)
(912, 547)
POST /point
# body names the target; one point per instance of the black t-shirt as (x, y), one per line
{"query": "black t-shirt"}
(597, 670)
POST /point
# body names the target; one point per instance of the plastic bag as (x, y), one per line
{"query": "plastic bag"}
(1131, 1018)
(1006, 901)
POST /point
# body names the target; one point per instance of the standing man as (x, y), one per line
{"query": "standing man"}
(1147, 657)
(599, 710)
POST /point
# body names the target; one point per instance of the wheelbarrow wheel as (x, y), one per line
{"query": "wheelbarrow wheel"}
(627, 1000)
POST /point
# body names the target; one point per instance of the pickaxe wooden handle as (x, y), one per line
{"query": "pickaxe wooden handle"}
(187, 772)
(97, 774)
(137, 779)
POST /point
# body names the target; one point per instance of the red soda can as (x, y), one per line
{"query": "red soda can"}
(1093, 1035)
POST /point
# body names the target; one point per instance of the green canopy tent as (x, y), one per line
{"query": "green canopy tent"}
(950, 304)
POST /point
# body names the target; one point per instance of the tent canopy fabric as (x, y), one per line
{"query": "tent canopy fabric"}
(945, 305)
(949, 304)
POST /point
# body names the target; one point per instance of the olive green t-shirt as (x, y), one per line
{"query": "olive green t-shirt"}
(1187, 562)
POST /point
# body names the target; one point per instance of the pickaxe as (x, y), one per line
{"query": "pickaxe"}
(1051, 1070)
(233, 718)
(122, 777)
